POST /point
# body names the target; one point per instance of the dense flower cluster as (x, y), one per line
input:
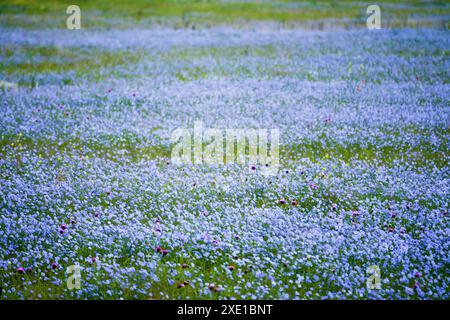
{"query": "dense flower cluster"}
(86, 177)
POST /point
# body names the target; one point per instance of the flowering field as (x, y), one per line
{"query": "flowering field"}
(87, 179)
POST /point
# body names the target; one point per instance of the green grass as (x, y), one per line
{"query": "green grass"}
(94, 64)
(136, 149)
(186, 14)
(52, 59)
(106, 146)
(26, 64)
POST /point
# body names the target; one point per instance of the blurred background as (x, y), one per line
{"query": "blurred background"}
(238, 13)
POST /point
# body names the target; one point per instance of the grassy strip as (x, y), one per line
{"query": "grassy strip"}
(190, 13)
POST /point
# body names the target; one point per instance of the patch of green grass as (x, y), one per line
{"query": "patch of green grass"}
(188, 13)
(133, 147)
(93, 63)
(383, 154)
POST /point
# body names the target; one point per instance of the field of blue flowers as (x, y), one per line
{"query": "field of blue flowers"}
(86, 177)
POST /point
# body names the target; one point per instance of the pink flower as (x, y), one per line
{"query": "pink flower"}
(54, 265)
(20, 270)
